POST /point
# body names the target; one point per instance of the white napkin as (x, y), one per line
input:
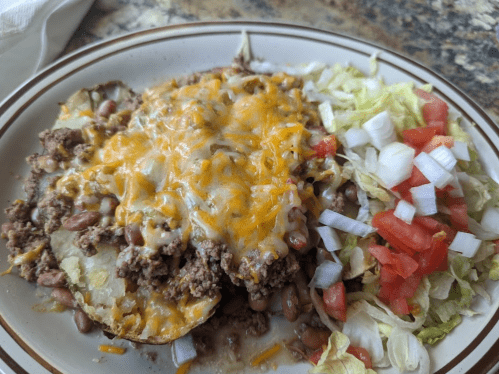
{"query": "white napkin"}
(32, 34)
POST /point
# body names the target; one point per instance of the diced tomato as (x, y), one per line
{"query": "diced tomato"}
(335, 301)
(439, 126)
(404, 190)
(399, 288)
(398, 263)
(388, 274)
(435, 109)
(401, 236)
(400, 306)
(458, 212)
(433, 259)
(418, 137)
(362, 354)
(316, 356)
(437, 141)
(326, 147)
(434, 227)
(417, 178)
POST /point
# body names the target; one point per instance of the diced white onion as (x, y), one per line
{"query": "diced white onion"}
(457, 191)
(425, 199)
(490, 220)
(326, 274)
(444, 157)
(460, 151)
(371, 161)
(395, 163)
(344, 223)
(405, 211)
(381, 130)
(480, 232)
(465, 243)
(327, 116)
(330, 238)
(183, 350)
(356, 137)
(432, 170)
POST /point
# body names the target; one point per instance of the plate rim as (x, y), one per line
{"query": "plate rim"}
(23, 99)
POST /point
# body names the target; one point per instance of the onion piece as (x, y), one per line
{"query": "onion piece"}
(444, 157)
(183, 350)
(465, 243)
(344, 223)
(490, 220)
(425, 199)
(326, 274)
(330, 238)
(457, 191)
(356, 137)
(432, 170)
(395, 163)
(381, 130)
(405, 211)
(477, 230)
(460, 151)
(371, 160)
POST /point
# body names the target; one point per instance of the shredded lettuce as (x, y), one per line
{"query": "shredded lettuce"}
(406, 352)
(336, 360)
(432, 335)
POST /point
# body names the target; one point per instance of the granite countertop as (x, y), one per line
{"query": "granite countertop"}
(458, 39)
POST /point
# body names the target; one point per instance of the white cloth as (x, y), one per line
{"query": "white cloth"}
(32, 34)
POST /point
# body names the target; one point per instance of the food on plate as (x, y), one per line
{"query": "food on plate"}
(357, 210)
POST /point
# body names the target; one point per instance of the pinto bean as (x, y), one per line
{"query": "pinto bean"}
(133, 236)
(302, 287)
(314, 338)
(52, 278)
(106, 108)
(351, 193)
(258, 305)
(65, 297)
(290, 303)
(83, 321)
(81, 221)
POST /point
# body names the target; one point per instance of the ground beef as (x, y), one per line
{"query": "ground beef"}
(134, 102)
(60, 143)
(23, 237)
(238, 316)
(88, 239)
(19, 211)
(271, 274)
(53, 207)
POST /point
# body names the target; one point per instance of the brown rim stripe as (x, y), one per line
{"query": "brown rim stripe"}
(482, 366)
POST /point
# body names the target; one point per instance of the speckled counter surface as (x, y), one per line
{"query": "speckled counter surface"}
(456, 38)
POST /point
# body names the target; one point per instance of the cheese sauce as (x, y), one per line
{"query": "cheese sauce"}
(214, 160)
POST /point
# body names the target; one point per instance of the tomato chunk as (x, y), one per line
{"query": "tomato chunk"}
(326, 147)
(400, 306)
(434, 227)
(418, 137)
(335, 301)
(439, 126)
(417, 178)
(316, 356)
(398, 263)
(435, 109)
(435, 258)
(362, 354)
(401, 236)
(437, 141)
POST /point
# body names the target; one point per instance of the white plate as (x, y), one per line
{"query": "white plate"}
(47, 342)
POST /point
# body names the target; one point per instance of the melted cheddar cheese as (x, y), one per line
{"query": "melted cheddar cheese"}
(214, 160)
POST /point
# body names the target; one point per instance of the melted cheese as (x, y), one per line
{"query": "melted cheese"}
(212, 159)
